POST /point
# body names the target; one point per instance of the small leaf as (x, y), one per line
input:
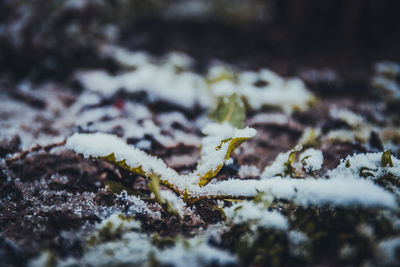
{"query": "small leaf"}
(231, 109)
(154, 187)
(386, 159)
(289, 170)
(233, 144)
(117, 188)
(348, 164)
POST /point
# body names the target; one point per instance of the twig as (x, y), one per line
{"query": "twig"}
(36, 148)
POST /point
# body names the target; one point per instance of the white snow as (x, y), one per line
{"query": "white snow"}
(256, 215)
(345, 191)
(196, 252)
(213, 152)
(348, 116)
(102, 145)
(371, 161)
(176, 202)
(172, 80)
(136, 248)
(309, 135)
(388, 251)
(385, 79)
(288, 94)
(210, 157)
(246, 171)
(159, 80)
(312, 159)
(118, 223)
(387, 68)
(278, 166)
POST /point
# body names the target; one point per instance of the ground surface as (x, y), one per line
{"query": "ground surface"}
(54, 199)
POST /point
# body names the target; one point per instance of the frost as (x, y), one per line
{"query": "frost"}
(309, 136)
(176, 202)
(175, 83)
(255, 214)
(137, 249)
(262, 88)
(344, 191)
(137, 206)
(114, 226)
(196, 252)
(217, 146)
(385, 79)
(270, 118)
(312, 159)
(184, 88)
(248, 171)
(351, 118)
(298, 243)
(360, 129)
(341, 190)
(361, 165)
(388, 251)
(388, 68)
(282, 165)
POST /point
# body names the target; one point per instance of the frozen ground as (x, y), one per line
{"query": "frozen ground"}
(115, 160)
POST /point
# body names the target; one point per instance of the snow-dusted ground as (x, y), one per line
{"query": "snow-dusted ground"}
(167, 132)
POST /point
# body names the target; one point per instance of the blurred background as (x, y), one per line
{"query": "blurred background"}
(47, 40)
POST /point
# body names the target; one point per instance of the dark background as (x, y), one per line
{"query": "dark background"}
(47, 40)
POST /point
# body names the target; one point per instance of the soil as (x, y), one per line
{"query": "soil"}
(50, 198)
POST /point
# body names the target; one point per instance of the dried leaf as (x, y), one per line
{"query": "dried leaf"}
(386, 159)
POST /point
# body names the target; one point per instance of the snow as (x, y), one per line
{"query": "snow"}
(351, 118)
(246, 171)
(131, 249)
(196, 253)
(270, 118)
(118, 223)
(136, 249)
(211, 157)
(256, 215)
(385, 79)
(229, 161)
(137, 206)
(278, 166)
(341, 135)
(162, 80)
(287, 94)
(309, 135)
(387, 68)
(176, 202)
(298, 242)
(371, 161)
(88, 145)
(76, 4)
(124, 56)
(388, 251)
(345, 191)
(312, 159)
